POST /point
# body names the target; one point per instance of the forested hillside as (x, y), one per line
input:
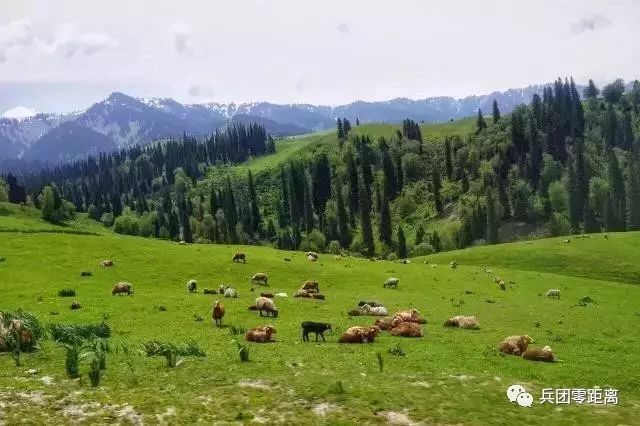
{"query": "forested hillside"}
(566, 163)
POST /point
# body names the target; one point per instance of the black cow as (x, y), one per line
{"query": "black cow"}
(314, 327)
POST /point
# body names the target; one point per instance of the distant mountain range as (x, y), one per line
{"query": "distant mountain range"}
(120, 120)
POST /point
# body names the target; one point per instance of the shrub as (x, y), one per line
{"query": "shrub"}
(30, 322)
(156, 348)
(234, 331)
(107, 220)
(559, 225)
(95, 372)
(423, 249)
(334, 247)
(67, 292)
(73, 333)
(243, 351)
(396, 350)
(380, 361)
(314, 241)
(72, 360)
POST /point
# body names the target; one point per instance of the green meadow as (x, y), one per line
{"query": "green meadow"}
(449, 376)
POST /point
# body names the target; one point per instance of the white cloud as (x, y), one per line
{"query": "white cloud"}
(69, 42)
(343, 28)
(591, 23)
(203, 91)
(19, 112)
(14, 35)
(182, 38)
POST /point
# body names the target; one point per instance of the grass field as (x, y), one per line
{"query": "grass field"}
(449, 376)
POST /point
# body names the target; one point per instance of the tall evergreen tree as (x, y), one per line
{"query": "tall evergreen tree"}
(384, 223)
(492, 220)
(308, 206)
(352, 173)
(496, 112)
(419, 235)
(437, 186)
(633, 193)
(481, 124)
(365, 219)
(617, 206)
(402, 243)
(340, 129)
(448, 160)
(255, 208)
(591, 91)
(343, 220)
(388, 170)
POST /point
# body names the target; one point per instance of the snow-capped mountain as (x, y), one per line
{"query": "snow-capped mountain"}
(120, 120)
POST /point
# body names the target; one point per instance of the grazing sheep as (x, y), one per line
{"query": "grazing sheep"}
(553, 293)
(313, 254)
(502, 285)
(337, 257)
(372, 304)
(238, 256)
(106, 263)
(286, 259)
(497, 280)
(407, 329)
(536, 354)
(515, 345)
(260, 334)
(311, 286)
(260, 278)
(222, 288)
(86, 274)
(217, 312)
(391, 283)
(314, 327)
(318, 296)
(182, 243)
(209, 291)
(358, 312)
(434, 266)
(265, 304)
(230, 293)
(75, 305)
(312, 258)
(378, 311)
(461, 321)
(566, 241)
(269, 295)
(302, 293)
(192, 286)
(122, 288)
(453, 264)
(282, 295)
(411, 315)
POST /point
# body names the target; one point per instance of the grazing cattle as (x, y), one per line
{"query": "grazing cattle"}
(266, 305)
(230, 293)
(122, 288)
(269, 295)
(553, 293)
(391, 283)
(537, 354)
(515, 345)
(106, 263)
(467, 322)
(311, 286)
(217, 312)
(411, 315)
(407, 329)
(240, 256)
(359, 334)
(192, 286)
(86, 274)
(260, 334)
(314, 327)
(372, 304)
(260, 278)
(209, 291)
(302, 293)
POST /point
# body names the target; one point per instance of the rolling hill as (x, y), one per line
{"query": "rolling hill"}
(448, 376)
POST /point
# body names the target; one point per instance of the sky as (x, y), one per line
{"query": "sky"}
(64, 55)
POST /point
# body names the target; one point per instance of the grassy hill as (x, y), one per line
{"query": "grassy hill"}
(448, 376)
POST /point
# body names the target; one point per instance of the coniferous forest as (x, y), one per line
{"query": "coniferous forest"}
(567, 163)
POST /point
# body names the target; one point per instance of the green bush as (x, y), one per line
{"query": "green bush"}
(334, 247)
(423, 249)
(67, 292)
(72, 333)
(559, 225)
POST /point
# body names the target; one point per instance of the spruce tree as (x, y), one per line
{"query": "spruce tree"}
(388, 170)
(402, 243)
(448, 160)
(436, 187)
(365, 220)
(255, 208)
(481, 124)
(419, 235)
(496, 112)
(435, 241)
(384, 223)
(340, 129)
(352, 173)
(617, 206)
(308, 207)
(591, 91)
(633, 193)
(343, 220)
(284, 218)
(492, 220)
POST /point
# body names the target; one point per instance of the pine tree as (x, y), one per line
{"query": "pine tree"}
(384, 223)
(365, 219)
(435, 241)
(340, 129)
(436, 185)
(481, 124)
(448, 160)
(617, 207)
(308, 206)
(633, 193)
(343, 220)
(174, 225)
(346, 126)
(419, 235)
(496, 112)
(284, 218)
(255, 208)
(492, 220)
(402, 243)
(357, 121)
(388, 170)
(591, 91)
(610, 127)
(352, 173)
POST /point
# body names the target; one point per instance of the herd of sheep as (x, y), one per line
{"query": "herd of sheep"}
(405, 323)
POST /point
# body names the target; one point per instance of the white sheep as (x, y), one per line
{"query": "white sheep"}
(378, 311)
(230, 292)
(281, 295)
(554, 293)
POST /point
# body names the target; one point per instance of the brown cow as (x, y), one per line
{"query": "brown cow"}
(122, 288)
(240, 256)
